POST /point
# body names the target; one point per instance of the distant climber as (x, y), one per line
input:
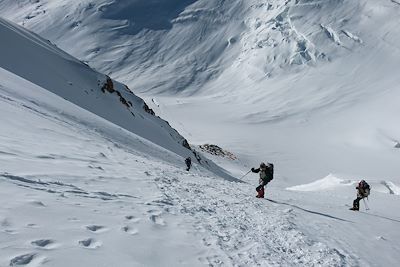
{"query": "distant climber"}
(188, 162)
(363, 190)
(266, 175)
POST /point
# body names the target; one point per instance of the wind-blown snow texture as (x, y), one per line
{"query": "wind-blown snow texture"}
(309, 85)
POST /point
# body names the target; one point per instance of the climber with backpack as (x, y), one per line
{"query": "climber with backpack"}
(363, 191)
(266, 175)
(188, 162)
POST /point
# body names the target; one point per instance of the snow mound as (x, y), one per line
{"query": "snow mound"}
(332, 182)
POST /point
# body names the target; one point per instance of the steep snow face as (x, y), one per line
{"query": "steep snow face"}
(29, 56)
(61, 203)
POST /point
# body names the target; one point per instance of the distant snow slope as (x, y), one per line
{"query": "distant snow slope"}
(182, 45)
(137, 41)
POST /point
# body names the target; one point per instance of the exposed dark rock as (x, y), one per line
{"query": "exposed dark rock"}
(185, 143)
(122, 99)
(108, 85)
(147, 109)
(128, 90)
(217, 151)
(397, 145)
(197, 156)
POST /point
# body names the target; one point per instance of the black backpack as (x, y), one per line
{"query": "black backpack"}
(364, 185)
(270, 169)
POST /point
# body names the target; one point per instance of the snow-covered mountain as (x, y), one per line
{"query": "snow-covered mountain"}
(311, 86)
(193, 42)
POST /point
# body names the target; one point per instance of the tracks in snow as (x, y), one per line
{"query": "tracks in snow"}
(240, 230)
(60, 188)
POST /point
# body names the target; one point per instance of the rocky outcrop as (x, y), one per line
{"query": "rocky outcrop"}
(185, 143)
(217, 151)
(109, 87)
(147, 109)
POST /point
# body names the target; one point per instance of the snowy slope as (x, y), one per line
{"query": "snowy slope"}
(86, 197)
(311, 85)
(38, 61)
(110, 198)
(29, 56)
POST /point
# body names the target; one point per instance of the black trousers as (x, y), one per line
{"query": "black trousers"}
(356, 203)
(258, 188)
(261, 186)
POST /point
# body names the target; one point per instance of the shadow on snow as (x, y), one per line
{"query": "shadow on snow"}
(309, 211)
(151, 15)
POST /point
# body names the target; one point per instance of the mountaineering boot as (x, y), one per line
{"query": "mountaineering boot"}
(260, 193)
(355, 208)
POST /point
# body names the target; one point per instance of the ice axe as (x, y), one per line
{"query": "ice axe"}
(244, 175)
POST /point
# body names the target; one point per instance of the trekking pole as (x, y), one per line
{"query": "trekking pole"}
(245, 175)
(365, 203)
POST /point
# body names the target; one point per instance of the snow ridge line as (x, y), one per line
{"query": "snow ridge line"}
(395, 2)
